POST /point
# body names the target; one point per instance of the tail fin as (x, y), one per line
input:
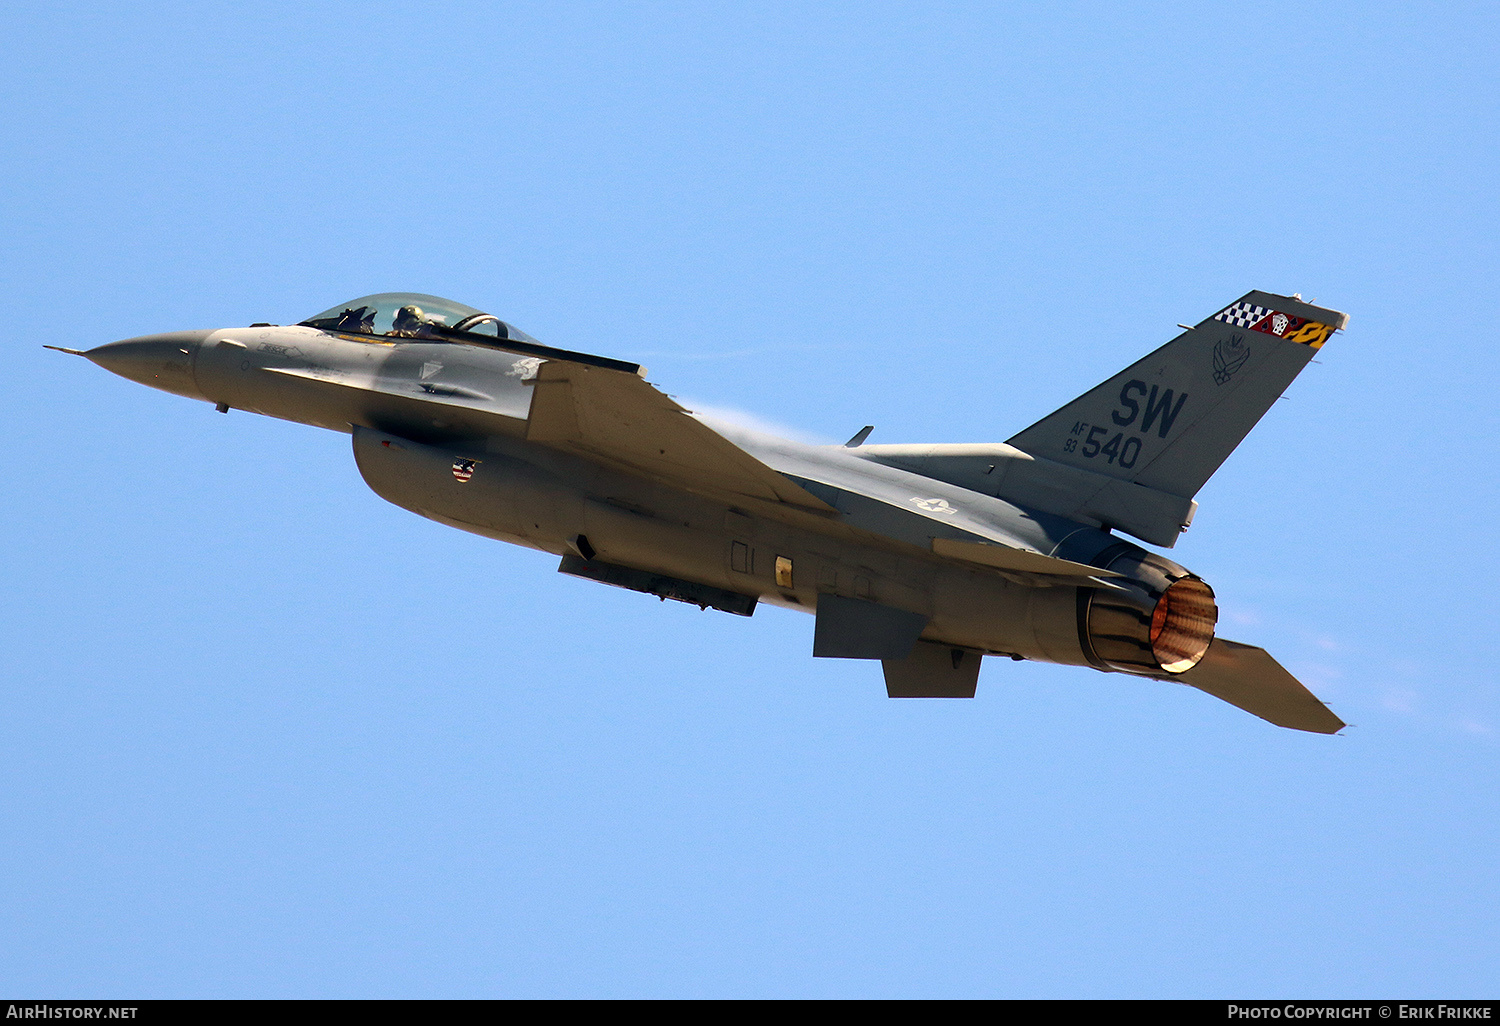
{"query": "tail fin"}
(1168, 421)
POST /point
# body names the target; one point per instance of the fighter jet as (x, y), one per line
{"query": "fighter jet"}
(924, 557)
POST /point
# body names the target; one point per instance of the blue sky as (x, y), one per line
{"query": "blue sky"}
(266, 735)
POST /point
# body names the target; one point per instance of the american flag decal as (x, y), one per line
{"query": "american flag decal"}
(463, 470)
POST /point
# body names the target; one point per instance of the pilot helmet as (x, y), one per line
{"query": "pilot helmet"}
(408, 319)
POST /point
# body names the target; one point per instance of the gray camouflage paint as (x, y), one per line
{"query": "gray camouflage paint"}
(439, 428)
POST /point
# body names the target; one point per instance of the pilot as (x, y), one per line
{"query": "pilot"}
(410, 322)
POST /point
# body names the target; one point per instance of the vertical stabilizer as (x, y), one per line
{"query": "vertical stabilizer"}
(1168, 421)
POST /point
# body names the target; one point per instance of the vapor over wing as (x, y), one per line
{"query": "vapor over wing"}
(620, 418)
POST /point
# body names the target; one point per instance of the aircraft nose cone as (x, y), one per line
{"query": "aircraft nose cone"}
(161, 361)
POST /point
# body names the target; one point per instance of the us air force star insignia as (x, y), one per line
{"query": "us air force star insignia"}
(933, 505)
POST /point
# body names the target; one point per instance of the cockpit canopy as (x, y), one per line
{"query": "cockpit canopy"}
(411, 315)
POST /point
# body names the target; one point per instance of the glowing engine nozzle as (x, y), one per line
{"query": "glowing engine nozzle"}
(1182, 625)
(1160, 620)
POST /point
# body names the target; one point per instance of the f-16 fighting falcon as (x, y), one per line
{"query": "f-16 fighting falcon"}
(924, 557)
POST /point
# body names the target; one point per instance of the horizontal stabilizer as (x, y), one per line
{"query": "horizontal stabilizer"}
(854, 629)
(1249, 678)
(933, 671)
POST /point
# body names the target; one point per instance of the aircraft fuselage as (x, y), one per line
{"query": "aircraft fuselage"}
(925, 558)
(439, 403)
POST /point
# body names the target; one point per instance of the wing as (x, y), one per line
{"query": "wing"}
(617, 417)
(1249, 678)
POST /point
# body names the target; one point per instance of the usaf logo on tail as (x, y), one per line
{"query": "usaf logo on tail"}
(1229, 356)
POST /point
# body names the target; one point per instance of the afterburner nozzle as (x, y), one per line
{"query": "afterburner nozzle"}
(1182, 624)
(1157, 619)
